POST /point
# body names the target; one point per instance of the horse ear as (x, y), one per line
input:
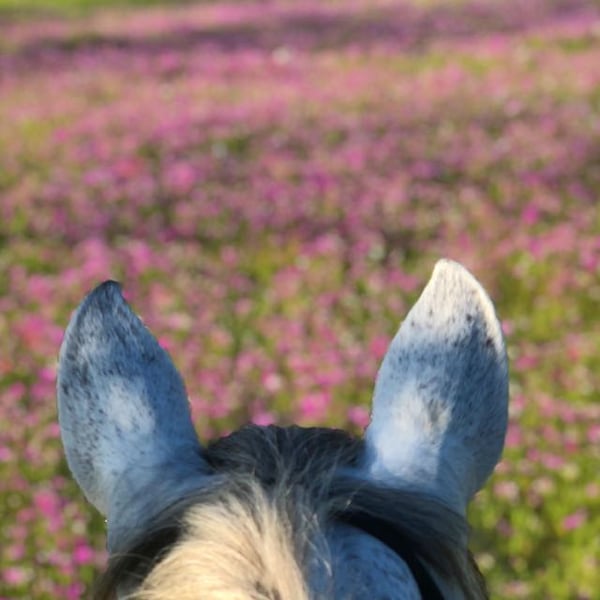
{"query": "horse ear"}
(124, 416)
(440, 405)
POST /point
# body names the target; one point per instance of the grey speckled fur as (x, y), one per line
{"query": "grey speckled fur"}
(123, 412)
(437, 429)
(443, 390)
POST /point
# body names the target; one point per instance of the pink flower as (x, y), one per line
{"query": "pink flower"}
(181, 177)
(83, 554)
(530, 214)
(593, 433)
(359, 415)
(6, 454)
(526, 362)
(74, 591)
(263, 418)
(314, 406)
(46, 502)
(379, 345)
(272, 382)
(514, 436)
(14, 575)
(575, 520)
(507, 490)
(552, 462)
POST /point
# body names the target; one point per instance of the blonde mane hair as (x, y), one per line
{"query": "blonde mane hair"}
(257, 533)
(231, 551)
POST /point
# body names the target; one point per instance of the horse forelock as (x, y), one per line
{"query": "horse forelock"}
(262, 531)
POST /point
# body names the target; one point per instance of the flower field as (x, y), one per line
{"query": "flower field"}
(273, 182)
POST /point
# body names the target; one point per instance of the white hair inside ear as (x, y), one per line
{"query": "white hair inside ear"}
(440, 405)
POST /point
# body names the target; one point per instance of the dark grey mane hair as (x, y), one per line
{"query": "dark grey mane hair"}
(300, 471)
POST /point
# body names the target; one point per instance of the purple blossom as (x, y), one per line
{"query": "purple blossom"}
(272, 183)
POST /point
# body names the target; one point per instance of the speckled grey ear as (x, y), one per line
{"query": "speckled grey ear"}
(440, 405)
(124, 415)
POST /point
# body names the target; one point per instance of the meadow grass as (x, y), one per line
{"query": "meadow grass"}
(273, 183)
(66, 8)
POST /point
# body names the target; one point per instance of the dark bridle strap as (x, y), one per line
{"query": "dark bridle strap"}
(386, 533)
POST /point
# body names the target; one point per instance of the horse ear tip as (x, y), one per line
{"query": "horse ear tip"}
(446, 262)
(449, 267)
(103, 300)
(108, 292)
(448, 272)
(110, 287)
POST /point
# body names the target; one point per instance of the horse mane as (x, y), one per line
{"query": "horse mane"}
(275, 491)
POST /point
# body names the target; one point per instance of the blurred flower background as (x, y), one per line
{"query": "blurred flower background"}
(273, 182)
